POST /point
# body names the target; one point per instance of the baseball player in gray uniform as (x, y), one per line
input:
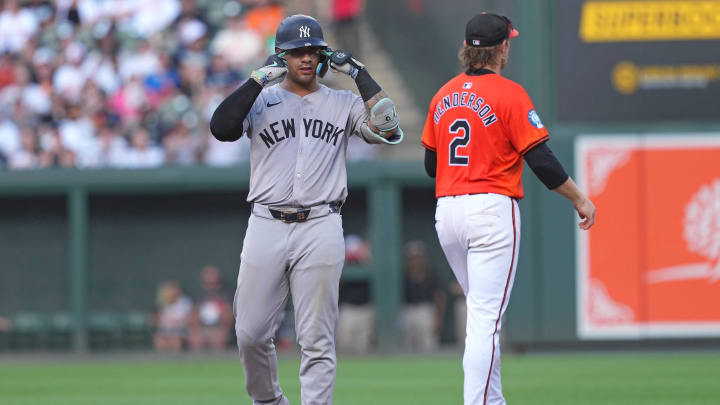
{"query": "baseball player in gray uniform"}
(294, 245)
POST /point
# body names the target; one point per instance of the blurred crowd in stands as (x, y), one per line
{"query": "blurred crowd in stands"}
(125, 83)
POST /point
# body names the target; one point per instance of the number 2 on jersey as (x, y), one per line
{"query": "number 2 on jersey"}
(459, 126)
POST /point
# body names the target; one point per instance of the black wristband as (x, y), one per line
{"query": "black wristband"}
(545, 165)
(366, 85)
(227, 120)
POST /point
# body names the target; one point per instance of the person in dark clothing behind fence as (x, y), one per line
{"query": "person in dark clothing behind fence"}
(356, 326)
(212, 316)
(424, 309)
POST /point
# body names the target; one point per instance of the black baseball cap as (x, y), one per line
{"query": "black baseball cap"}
(489, 29)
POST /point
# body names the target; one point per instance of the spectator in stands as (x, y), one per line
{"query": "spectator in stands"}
(220, 75)
(94, 101)
(129, 102)
(172, 317)
(356, 325)
(240, 58)
(107, 149)
(424, 301)
(141, 154)
(12, 93)
(146, 18)
(9, 136)
(21, 115)
(212, 316)
(192, 33)
(139, 63)
(161, 85)
(69, 78)
(42, 74)
(181, 148)
(33, 96)
(77, 131)
(17, 25)
(193, 69)
(28, 155)
(101, 64)
(54, 153)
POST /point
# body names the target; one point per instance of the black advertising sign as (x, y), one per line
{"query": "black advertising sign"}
(637, 60)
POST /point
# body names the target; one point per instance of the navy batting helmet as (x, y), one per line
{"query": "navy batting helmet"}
(298, 31)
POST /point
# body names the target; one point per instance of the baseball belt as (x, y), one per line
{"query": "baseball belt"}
(290, 215)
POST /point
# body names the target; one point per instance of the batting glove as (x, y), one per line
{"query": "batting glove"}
(272, 73)
(343, 62)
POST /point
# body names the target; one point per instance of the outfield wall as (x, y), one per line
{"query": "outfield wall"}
(94, 242)
(87, 243)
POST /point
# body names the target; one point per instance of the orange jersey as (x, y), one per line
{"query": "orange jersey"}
(480, 126)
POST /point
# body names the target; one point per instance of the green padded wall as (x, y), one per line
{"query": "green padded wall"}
(33, 254)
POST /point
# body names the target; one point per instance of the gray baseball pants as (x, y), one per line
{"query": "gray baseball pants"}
(303, 260)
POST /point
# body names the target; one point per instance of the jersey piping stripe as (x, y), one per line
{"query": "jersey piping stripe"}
(532, 145)
(502, 304)
(427, 147)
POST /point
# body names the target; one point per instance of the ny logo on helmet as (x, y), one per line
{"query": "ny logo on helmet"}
(304, 32)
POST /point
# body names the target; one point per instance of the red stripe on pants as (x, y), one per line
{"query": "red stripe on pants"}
(507, 284)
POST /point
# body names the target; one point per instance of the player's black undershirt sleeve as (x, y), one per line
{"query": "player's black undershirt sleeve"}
(367, 86)
(430, 162)
(545, 165)
(226, 123)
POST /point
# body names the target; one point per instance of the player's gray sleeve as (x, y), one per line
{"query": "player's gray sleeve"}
(358, 115)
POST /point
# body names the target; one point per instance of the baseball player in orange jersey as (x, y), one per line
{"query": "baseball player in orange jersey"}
(479, 128)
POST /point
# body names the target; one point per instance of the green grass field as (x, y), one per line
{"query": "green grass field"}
(680, 379)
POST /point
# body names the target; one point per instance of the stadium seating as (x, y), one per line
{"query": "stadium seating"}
(29, 331)
(54, 331)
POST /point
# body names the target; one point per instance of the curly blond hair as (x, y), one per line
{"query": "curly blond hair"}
(476, 57)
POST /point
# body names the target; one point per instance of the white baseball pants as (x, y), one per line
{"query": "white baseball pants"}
(480, 235)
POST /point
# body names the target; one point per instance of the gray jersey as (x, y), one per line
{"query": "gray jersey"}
(298, 145)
